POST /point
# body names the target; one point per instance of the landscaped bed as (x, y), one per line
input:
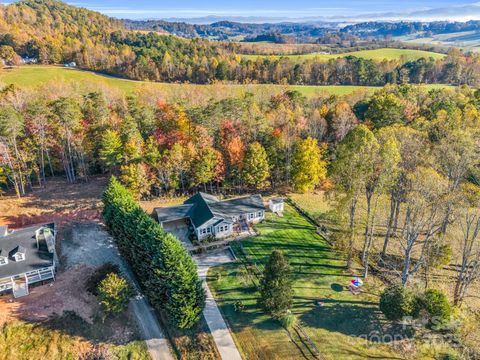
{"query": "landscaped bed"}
(334, 319)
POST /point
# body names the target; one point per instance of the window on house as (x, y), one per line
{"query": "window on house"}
(259, 214)
(204, 231)
(208, 230)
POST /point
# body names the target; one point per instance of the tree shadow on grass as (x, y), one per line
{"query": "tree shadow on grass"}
(358, 320)
(337, 287)
(71, 324)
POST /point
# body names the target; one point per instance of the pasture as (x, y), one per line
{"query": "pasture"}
(376, 54)
(31, 76)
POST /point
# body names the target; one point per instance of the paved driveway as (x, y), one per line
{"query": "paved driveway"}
(90, 244)
(219, 329)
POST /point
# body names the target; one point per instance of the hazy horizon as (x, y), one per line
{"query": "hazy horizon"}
(276, 11)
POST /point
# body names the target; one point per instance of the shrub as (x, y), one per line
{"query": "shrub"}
(434, 305)
(396, 302)
(114, 292)
(101, 273)
(238, 306)
(451, 355)
(289, 321)
(440, 255)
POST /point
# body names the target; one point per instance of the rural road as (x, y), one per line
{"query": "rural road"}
(219, 329)
(90, 244)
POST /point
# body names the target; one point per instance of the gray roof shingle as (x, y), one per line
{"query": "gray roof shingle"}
(202, 208)
(36, 258)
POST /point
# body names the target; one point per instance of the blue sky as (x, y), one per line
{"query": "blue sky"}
(261, 8)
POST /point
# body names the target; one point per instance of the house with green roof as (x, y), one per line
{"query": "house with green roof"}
(209, 216)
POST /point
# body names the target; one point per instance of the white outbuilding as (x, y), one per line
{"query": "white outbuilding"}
(276, 205)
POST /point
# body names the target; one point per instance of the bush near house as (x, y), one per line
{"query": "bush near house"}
(166, 272)
(101, 273)
(114, 292)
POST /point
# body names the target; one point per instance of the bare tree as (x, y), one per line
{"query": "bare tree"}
(469, 270)
(423, 219)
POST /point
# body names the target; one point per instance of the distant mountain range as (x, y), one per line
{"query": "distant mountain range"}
(461, 12)
(304, 32)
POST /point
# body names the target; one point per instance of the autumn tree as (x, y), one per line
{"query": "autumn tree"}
(423, 218)
(203, 168)
(256, 169)
(308, 165)
(350, 171)
(136, 178)
(381, 178)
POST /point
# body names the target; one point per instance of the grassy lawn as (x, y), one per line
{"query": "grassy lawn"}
(336, 327)
(38, 75)
(376, 54)
(24, 341)
(319, 274)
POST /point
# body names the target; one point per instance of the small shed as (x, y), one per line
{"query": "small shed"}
(276, 205)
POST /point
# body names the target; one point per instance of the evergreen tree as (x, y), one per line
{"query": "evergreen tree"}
(276, 292)
(165, 270)
(256, 169)
(111, 150)
(308, 167)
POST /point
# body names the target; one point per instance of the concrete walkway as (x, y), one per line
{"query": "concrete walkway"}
(219, 329)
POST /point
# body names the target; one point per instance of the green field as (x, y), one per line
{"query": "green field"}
(377, 54)
(468, 40)
(53, 76)
(335, 326)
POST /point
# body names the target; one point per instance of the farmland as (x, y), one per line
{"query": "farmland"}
(36, 76)
(377, 55)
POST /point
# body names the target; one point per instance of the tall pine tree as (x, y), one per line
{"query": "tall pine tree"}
(276, 292)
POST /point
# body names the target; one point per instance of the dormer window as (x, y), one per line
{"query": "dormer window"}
(3, 257)
(18, 254)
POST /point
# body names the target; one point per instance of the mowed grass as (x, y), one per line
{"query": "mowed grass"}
(376, 54)
(31, 76)
(320, 275)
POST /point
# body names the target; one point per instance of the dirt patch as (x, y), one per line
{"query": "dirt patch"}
(57, 201)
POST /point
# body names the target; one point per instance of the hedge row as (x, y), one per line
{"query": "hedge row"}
(166, 272)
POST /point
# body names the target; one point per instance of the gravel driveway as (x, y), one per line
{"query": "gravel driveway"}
(90, 244)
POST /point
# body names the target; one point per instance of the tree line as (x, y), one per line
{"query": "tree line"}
(165, 270)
